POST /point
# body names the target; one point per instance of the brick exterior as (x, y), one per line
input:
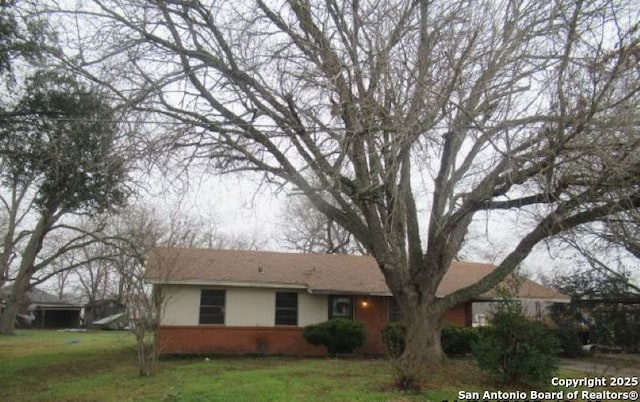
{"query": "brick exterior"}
(460, 315)
(214, 339)
(374, 315)
(235, 340)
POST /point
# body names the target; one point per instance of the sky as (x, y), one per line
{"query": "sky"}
(240, 206)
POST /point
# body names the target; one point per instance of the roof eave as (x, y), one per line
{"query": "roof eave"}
(269, 285)
(349, 292)
(487, 298)
(234, 284)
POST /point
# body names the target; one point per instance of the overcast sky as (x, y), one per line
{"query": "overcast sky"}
(241, 206)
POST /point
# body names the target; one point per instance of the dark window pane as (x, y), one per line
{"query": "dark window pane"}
(286, 308)
(212, 303)
(210, 297)
(286, 299)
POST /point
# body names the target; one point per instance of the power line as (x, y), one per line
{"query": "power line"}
(158, 122)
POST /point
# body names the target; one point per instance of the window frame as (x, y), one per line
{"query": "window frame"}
(334, 300)
(205, 309)
(285, 313)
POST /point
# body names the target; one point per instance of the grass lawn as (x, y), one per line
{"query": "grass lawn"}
(101, 366)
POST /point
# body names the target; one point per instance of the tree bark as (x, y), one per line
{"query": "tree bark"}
(13, 302)
(8, 316)
(27, 266)
(423, 350)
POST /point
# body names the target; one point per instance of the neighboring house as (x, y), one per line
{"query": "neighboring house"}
(240, 302)
(44, 310)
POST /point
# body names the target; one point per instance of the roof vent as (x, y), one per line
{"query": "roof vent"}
(260, 269)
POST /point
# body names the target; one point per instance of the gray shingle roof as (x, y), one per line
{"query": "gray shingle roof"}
(316, 273)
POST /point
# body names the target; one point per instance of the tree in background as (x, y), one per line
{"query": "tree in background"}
(603, 310)
(400, 121)
(60, 141)
(308, 230)
(609, 247)
(118, 264)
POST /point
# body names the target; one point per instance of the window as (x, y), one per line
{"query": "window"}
(286, 308)
(394, 310)
(212, 303)
(341, 307)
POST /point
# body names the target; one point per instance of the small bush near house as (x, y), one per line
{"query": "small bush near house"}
(338, 335)
(515, 350)
(393, 334)
(457, 341)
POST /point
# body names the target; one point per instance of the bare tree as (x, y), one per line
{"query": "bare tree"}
(610, 246)
(399, 120)
(308, 230)
(12, 214)
(98, 279)
(132, 235)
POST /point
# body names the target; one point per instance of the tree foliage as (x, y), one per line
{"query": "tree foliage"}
(117, 265)
(21, 36)
(607, 302)
(61, 137)
(607, 248)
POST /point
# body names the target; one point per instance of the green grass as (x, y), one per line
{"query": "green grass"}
(101, 366)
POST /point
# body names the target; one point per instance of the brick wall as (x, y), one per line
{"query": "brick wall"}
(374, 313)
(460, 315)
(235, 340)
(229, 340)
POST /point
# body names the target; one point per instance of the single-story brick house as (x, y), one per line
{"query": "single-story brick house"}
(242, 302)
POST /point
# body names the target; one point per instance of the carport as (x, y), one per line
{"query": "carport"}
(56, 315)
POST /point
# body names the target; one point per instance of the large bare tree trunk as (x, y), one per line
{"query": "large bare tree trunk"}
(8, 316)
(25, 272)
(13, 302)
(423, 350)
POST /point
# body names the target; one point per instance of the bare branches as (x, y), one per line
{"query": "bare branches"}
(486, 97)
(400, 121)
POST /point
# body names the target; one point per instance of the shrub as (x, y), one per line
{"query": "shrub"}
(338, 335)
(565, 319)
(570, 344)
(457, 341)
(393, 334)
(516, 350)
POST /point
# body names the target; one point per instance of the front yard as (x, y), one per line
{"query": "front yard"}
(101, 366)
